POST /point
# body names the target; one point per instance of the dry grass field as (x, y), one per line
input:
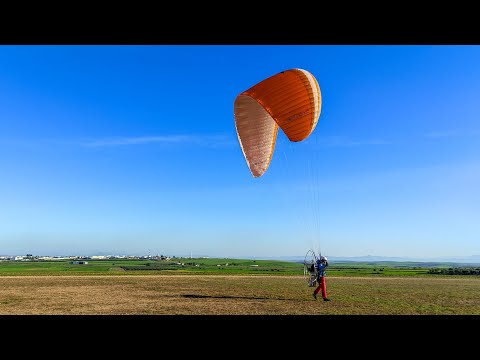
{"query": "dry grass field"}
(236, 295)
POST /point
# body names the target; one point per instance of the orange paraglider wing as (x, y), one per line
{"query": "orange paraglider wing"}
(290, 100)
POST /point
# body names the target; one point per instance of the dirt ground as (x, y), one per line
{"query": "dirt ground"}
(233, 295)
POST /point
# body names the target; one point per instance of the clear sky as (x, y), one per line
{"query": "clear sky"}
(133, 150)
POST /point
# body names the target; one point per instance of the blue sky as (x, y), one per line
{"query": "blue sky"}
(133, 150)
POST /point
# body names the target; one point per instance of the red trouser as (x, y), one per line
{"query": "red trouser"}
(322, 285)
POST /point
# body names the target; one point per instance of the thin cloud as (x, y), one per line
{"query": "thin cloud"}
(209, 141)
(197, 140)
(137, 140)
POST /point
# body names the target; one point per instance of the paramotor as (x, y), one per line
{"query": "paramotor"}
(309, 269)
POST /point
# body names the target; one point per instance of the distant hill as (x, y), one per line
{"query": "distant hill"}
(473, 259)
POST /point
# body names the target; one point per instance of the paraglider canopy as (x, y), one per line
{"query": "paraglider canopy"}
(290, 100)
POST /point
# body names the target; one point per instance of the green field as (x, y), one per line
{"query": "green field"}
(218, 266)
